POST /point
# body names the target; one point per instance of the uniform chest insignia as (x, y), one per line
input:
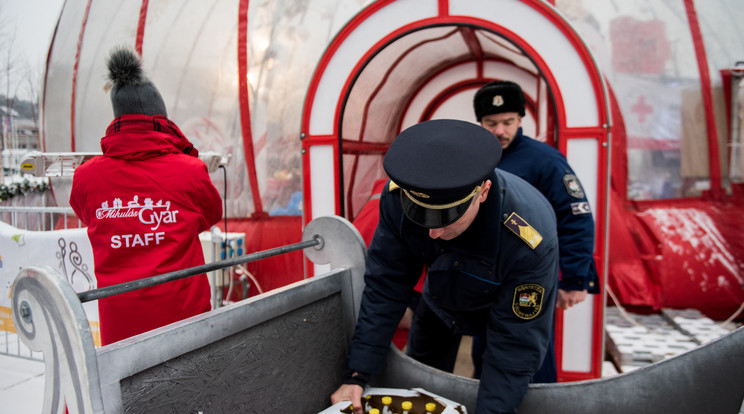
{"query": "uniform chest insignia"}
(528, 299)
(573, 186)
(522, 229)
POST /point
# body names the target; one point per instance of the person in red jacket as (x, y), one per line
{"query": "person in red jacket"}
(145, 201)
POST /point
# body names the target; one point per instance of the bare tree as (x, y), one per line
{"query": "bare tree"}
(32, 87)
(19, 75)
(7, 38)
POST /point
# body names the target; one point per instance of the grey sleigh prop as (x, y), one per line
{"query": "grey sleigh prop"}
(285, 351)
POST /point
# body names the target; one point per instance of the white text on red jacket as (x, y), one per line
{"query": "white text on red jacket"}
(150, 214)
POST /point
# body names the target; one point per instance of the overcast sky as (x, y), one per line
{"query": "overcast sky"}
(34, 22)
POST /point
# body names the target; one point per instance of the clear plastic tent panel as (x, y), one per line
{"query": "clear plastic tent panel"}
(89, 87)
(646, 51)
(58, 87)
(199, 43)
(285, 43)
(190, 51)
(91, 92)
(723, 36)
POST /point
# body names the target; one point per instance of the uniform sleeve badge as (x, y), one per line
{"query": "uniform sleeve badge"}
(573, 186)
(528, 299)
(522, 229)
(581, 207)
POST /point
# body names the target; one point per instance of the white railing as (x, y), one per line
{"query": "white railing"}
(40, 218)
(67, 249)
(32, 219)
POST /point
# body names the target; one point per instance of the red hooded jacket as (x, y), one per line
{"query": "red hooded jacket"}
(145, 201)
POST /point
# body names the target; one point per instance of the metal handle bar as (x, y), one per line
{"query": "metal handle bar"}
(107, 291)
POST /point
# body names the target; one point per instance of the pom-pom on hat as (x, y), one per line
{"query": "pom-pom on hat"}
(497, 97)
(131, 91)
(439, 166)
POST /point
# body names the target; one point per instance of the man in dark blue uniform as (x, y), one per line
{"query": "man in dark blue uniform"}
(499, 107)
(489, 242)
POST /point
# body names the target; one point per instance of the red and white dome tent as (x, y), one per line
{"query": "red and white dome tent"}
(399, 63)
(638, 96)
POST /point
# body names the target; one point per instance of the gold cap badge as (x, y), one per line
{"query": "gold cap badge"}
(419, 194)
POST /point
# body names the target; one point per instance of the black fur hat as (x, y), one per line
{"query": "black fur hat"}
(132, 92)
(497, 97)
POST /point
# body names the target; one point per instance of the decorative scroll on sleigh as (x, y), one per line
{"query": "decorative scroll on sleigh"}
(285, 351)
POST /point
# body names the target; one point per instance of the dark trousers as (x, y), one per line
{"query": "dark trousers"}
(547, 373)
(431, 341)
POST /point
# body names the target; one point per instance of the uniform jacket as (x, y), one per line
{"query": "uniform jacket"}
(487, 280)
(547, 169)
(145, 200)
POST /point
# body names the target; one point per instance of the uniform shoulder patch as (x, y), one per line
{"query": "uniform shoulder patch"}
(522, 229)
(573, 186)
(528, 299)
(580, 207)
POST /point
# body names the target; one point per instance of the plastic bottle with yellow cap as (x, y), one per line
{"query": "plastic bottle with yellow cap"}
(406, 406)
(387, 403)
(374, 411)
(365, 403)
(430, 407)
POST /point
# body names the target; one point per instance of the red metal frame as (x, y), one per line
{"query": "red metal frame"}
(441, 98)
(141, 26)
(710, 121)
(245, 108)
(331, 140)
(75, 74)
(42, 137)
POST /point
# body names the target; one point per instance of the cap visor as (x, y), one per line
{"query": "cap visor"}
(430, 218)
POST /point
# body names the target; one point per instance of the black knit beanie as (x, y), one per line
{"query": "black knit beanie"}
(132, 92)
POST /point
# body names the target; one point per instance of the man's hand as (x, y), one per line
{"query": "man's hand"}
(568, 298)
(349, 392)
